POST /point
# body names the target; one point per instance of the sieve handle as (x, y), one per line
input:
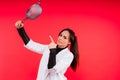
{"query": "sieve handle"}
(24, 20)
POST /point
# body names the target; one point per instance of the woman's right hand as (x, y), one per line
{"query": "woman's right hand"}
(19, 24)
(52, 43)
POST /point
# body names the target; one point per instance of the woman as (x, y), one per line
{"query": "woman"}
(56, 58)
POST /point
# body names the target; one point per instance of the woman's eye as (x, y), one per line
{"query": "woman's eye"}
(65, 37)
(60, 35)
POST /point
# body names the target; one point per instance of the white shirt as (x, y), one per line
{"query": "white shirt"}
(63, 61)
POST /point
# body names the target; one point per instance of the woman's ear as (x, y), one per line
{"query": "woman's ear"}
(69, 43)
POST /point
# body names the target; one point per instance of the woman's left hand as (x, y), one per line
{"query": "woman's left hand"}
(52, 44)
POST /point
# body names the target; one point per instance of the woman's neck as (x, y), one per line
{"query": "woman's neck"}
(61, 46)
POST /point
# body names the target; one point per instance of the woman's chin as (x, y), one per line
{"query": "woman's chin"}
(58, 43)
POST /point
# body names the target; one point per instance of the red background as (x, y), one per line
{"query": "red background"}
(95, 22)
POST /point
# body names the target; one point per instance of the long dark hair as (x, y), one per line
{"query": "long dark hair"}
(73, 48)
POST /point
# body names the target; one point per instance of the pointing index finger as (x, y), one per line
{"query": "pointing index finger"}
(51, 38)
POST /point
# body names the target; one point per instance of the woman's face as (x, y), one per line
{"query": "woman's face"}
(63, 39)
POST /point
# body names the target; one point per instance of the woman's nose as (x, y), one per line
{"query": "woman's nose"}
(60, 38)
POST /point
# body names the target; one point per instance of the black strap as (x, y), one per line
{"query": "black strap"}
(52, 56)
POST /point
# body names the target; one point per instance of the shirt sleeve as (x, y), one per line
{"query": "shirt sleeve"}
(36, 47)
(23, 35)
